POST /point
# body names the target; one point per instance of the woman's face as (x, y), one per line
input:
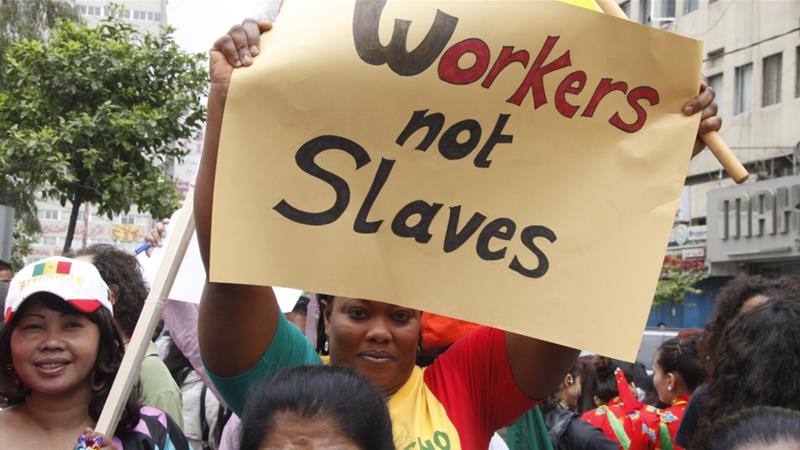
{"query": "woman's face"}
(662, 381)
(53, 353)
(379, 340)
(293, 433)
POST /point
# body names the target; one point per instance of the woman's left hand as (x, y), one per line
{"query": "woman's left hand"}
(92, 440)
(709, 121)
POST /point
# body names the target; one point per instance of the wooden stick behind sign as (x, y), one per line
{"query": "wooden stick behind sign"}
(128, 373)
(714, 141)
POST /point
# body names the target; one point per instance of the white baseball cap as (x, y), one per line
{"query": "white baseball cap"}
(76, 282)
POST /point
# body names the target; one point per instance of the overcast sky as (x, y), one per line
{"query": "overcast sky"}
(198, 23)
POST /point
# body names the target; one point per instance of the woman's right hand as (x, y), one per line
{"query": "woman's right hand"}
(236, 49)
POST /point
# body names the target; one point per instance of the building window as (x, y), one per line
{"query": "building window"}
(143, 220)
(690, 5)
(771, 92)
(743, 89)
(626, 7)
(668, 9)
(150, 16)
(157, 17)
(47, 214)
(797, 73)
(644, 11)
(82, 9)
(715, 82)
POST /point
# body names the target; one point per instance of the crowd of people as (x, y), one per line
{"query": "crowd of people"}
(348, 373)
(733, 385)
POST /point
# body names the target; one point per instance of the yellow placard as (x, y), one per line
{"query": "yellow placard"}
(512, 163)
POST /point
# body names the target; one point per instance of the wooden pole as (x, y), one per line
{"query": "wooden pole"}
(128, 373)
(714, 141)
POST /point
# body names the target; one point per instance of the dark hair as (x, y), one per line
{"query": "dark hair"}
(761, 425)
(600, 380)
(109, 357)
(552, 400)
(4, 265)
(301, 305)
(122, 273)
(728, 303)
(336, 394)
(756, 364)
(177, 363)
(681, 355)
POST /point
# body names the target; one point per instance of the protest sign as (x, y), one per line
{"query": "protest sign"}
(516, 164)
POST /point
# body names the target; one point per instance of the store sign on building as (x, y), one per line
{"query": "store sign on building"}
(756, 221)
(698, 233)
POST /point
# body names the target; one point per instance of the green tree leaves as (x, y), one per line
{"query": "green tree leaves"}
(93, 114)
(675, 283)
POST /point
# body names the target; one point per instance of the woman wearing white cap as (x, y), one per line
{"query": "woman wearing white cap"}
(59, 354)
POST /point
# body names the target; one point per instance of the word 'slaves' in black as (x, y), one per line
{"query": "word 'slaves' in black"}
(366, 20)
(305, 161)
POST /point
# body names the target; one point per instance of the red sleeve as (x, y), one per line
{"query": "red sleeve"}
(473, 381)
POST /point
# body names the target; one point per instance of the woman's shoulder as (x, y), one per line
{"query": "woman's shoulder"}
(10, 419)
(17, 431)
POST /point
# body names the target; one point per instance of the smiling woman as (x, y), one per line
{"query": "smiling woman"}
(59, 354)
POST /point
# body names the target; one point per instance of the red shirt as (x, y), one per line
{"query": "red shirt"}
(671, 418)
(640, 426)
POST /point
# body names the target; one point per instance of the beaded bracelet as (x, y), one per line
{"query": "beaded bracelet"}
(89, 443)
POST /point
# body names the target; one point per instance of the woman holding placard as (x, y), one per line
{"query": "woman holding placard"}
(482, 383)
(59, 353)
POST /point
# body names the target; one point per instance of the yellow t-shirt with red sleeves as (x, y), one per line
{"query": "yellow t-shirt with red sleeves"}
(456, 403)
(460, 400)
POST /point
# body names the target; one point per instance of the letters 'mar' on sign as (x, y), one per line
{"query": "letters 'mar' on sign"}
(516, 164)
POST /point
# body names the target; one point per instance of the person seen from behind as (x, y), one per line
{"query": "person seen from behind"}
(758, 428)
(676, 374)
(737, 297)
(756, 365)
(122, 273)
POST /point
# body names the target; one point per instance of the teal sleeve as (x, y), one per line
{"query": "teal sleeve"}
(289, 348)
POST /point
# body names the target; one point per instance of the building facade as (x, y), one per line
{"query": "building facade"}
(125, 231)
(752, 60)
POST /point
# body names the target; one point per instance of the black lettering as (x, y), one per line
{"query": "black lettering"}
(420, 232)
(420, 119)
(527, 236)
(449, 146)
(305, 161)
(361, 225)
(453, 238)
(502, 228)
(366, 20)
(497, 137)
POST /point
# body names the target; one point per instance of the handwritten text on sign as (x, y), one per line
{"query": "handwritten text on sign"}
(503, 172)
